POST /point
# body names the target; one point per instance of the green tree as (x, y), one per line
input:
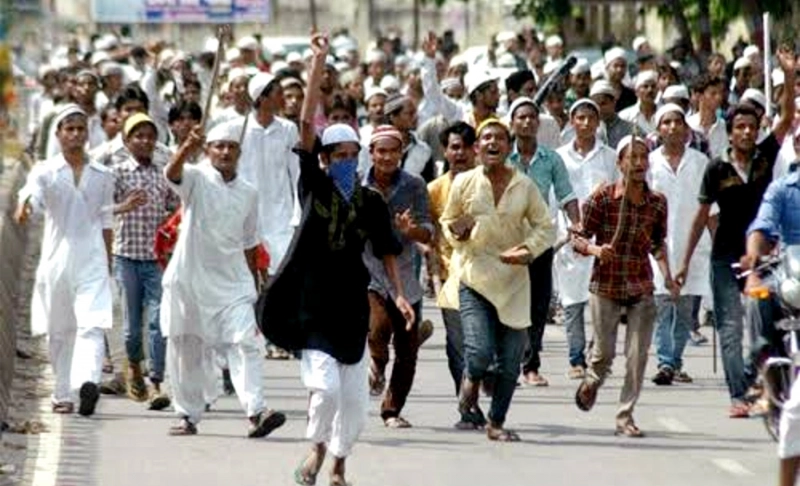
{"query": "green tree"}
(546, 13)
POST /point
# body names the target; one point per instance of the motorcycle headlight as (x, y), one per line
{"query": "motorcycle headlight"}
(791, 262)
(790, 292)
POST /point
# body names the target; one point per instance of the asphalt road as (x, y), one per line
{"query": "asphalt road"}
(690, 438)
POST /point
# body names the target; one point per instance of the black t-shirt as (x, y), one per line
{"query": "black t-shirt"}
(627, 98)
(738, 200)
(318, 299)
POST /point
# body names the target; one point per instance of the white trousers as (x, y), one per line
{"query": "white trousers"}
(789, 443)
(77, 358)
(337, 409)
(190, 365)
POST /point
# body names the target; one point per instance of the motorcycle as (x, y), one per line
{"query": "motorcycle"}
(780, 276)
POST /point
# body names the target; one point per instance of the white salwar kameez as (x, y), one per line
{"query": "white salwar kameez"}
(208, 301)
(71, 300)
(337, 409)
(268, 164)
(586, 174)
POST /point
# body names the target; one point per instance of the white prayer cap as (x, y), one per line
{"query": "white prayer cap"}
(449, 83)
(583, 102)
(278, 66)
(638, 42)
(676, 91)
(374, 92)
(506, 36)
(580, 67)
(178, 57)
(630, 140)
(458, 60)
(237, 72)
(308, 54)
(741, 63)
(668, 108)
(598, 70)
(613, 54)
(751, 51)
(603, 87)
(211, 45)
(247, 43)
(66, 112)
(232, 54)
(339, 133)
(507, 60)
(476, 78)
(375, 55)
(46, 69)
(755, 96)
(341, 66)
(100, 56)
(292, 81)
(258, 84)
(106, 43)
(551, 66)
(522, 100)
(778, 77)
(294, 56)
(553, 41)
(225, 132)
(111, 68)
(390, 83)
(644, 77)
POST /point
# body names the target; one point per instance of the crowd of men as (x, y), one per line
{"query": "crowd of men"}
(343, 184)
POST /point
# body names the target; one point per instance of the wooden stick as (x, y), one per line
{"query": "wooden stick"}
(214, 76)
(767, 69)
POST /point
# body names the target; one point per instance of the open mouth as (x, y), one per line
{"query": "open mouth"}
(493, 152)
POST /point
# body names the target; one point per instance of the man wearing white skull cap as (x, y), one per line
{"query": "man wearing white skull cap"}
(211, 283)
(616, 68)
(642, 113)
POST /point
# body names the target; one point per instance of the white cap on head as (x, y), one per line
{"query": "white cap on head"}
(630, 140)
(553, 41)
(751, 51)
(778, 77)
(106, 43)
(613, 54)
(339, 133)
(598, 70)
(225, 132)
(232, 54)
(458, 60)
(522, 100)
(449, 83)
(237, 72)
(374, 92)
(66, 112)
(551, 67)
(258, 84)
(583, 102)
(248, 42)
(390, 83)
(666, 109)
(638, 42)
(603, 87)
(99, 57)
(755, 96)
(294, 56)
(375, 55)
(741, 63)
(476, 78)
(580, 67)
(676, 91)
(211, 45)
(643, 77)
(507, 60)
(111, 68)
(277, 66)
(46, 69)
(506, 36)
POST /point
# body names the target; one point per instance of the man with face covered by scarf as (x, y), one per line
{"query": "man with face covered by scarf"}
(318, 301)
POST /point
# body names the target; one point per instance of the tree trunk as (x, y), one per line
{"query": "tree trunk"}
(681, 23)
(706, 46)
(416, 24)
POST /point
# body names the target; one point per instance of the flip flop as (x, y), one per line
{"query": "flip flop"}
(504, 435)
(302, 478)
(591, 399)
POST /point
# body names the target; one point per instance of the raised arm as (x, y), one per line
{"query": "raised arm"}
(449, 109)
(174, 169)
(786, 58)
(319, 48)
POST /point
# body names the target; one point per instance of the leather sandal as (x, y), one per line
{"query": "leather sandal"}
(629, 430)
(586, 396)
(397, 423)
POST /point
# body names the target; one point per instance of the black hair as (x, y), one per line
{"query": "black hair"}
(192, 82)
(185, 107)
(132, 92)
(461, 129)
(106, 112)
(742, 109)
(344, 102)
(516, 80)
(705, 81)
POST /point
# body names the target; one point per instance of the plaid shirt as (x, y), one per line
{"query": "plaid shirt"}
(628, 274)
(135, 231)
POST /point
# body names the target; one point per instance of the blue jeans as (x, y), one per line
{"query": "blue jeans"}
(730, 326)
(575, 325)
(673, 328)
(765, 339)
(486, 339)
(140, 283)
(454, 345)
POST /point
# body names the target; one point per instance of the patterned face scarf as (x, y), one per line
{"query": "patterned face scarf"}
(344, 176)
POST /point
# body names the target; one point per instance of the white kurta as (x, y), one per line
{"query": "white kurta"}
(717, 135)
(681, 189)
(633, 114)
(268, 164)
(208, 288)
(73, 285)
(97, 136)
(586, 174)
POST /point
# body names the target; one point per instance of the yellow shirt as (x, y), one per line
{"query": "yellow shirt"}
(438, 191)
(521, 217)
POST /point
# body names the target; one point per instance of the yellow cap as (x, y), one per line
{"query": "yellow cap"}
(136, 120)
(490, 121)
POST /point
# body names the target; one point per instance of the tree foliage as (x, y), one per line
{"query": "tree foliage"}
(723, 12)
(543, 12)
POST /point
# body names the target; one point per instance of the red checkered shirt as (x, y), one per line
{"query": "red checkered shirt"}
(135, 231)
(628, 275)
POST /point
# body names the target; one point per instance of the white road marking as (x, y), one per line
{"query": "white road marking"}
(48, 454)
(674, 425)
(733, 467)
